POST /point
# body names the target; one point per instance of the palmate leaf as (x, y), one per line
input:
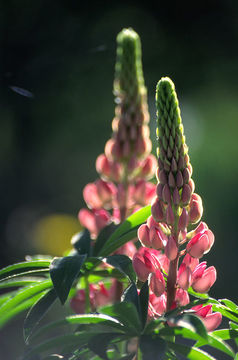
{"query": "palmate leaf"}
(126, 231)
(127, 314)
(63, 272)
(37, 312)
(23, 268)
(88, 319)
(72, 340)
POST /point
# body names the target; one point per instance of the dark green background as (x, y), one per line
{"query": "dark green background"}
(64, 53)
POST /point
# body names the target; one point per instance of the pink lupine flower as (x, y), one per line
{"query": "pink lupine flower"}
(203, 278)
(103, 166)
(144, 192)
(106, 191)
(181, 298)
(211, 320)
(190, 262)
(143, 234)
(91, 196)
(184, 276)
(200, 244)
(94, 220)
(158, 239)
(128, 249)
(157, 283)
(145, 262)
(148, 166)
(157, 306)
(98, 296)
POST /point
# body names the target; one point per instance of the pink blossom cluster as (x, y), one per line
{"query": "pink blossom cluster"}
(152, 262)
(99, 296)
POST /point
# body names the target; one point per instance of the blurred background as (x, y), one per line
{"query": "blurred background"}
(62, 53)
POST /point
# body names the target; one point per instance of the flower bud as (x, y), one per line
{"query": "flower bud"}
(186, 194)
(183, 220)
(176, 196)
(157, 283)
(195, 209)
(184, 276)
(169, 215)
(166, 195)
(157, 210)
(171, 249)
(159, 191)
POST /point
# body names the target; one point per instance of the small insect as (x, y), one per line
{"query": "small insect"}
(21, 91)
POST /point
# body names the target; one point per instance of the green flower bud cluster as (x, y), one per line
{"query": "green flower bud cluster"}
(130, 129)
(175, 188)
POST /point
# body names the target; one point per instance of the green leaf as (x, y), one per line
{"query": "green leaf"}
(23, 267)
(144, 301)
(152, 347)
(124, 264)
(225, 312)
(126, 231)
(37, 312)
(191, 322)
(197, 295)
(74, 341)
(82, 242)
(99, 343)
(15, 311)
(234, 326)
(191, 353)
(63, 272)
(126, 313)
(103, 237)
(226, 334)
(230, 304)
(216, 343)
(23, 281)
(131, 295)
(21, 296)
(91, 319)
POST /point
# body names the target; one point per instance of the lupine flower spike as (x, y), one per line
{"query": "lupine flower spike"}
(126, 165)
(169, 250)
